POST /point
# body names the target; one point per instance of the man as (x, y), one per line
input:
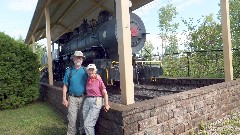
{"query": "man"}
(76, 91)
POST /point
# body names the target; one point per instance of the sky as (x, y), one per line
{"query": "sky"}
(16, 15)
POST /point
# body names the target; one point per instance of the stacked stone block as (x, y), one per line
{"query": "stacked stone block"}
(168, 115)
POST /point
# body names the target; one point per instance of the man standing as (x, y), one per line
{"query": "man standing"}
(76, 87)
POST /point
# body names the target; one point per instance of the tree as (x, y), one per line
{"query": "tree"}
(204, 39)
(203, 47)
(39, 48)
(206, 36)
(19, 75)
(147, 50)
(168, 28)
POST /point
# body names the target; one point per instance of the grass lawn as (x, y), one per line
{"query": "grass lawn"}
(34, 119)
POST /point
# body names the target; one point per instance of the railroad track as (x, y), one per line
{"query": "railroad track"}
(163, 90)
(142, 92)
(136, 88)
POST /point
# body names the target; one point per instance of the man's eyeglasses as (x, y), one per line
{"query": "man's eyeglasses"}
(78, 58)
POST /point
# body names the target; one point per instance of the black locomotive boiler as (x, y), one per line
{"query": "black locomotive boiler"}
(97, 40)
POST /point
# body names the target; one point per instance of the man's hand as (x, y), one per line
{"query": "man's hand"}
(106, 108)
(98, 76)
(65, 102)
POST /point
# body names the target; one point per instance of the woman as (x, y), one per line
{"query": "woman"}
(96, 90)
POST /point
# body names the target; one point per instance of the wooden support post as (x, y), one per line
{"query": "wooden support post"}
(124, 51)
(33, 44)
(48, 36)
(228, 69)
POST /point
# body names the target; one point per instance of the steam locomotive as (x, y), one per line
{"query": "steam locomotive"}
(97, 40)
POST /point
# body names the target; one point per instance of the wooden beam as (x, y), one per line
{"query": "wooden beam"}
(33, 44)
(228, 69)
(38, 34)
(124, 51)
(48, 35)
(42, 35)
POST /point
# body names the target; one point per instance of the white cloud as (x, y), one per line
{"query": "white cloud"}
(183, 4)
(22, 5)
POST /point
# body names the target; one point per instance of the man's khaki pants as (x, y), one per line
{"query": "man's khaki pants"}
(75, 117)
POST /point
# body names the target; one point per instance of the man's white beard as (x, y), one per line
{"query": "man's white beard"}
(78, 63)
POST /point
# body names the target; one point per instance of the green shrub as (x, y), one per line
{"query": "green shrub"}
(19, 76)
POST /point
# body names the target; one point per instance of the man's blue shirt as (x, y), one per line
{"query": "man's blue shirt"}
(77, 81)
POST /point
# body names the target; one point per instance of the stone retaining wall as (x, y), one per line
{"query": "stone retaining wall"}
(53, 95)
(173, 114)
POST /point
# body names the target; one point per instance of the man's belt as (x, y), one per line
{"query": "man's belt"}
(76, 95)
(94, 96)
